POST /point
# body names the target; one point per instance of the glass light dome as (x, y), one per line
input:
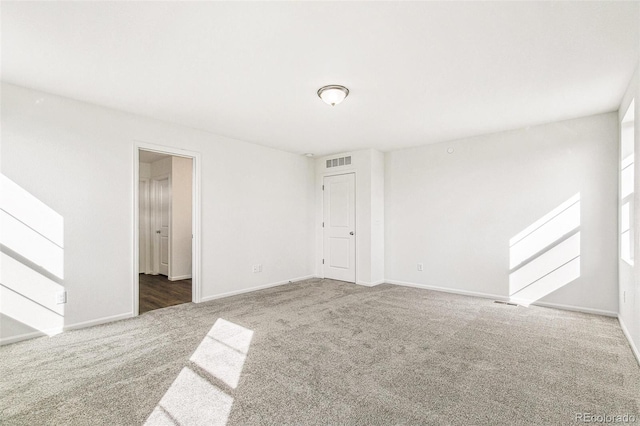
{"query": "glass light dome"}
(333, 94)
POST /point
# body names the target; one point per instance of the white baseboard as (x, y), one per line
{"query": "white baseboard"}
(367, 284)
(249, 290)
(576, 309)
(85, 324)
(31, 335)
(20, 337)
(448, 290)
(504, 298)
(98, 321)
(634, 348)
(180, 277)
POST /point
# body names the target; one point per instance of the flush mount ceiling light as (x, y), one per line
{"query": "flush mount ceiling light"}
(333, 94)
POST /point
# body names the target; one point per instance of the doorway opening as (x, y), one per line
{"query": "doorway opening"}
(166, 240)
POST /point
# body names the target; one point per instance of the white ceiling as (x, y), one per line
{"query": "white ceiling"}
(418, 72)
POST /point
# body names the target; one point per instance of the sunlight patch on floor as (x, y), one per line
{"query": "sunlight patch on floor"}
(195, 398)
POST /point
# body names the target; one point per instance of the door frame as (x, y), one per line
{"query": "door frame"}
(355, 218)
(196, 260)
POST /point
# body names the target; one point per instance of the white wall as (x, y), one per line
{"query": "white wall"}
(377, 217)
(456, 213)
(368, 167)
(181, 203)
(629, 284)
(77, 158)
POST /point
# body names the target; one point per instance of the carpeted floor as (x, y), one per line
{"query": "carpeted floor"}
(325, 352)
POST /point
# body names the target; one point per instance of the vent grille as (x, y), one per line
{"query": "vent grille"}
(337, 162)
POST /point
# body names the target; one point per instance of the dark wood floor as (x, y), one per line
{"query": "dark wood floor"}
(156, 291)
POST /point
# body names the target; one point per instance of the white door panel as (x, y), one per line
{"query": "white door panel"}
(163, 221)
(339, 227)
(339, 250)
(339, 206)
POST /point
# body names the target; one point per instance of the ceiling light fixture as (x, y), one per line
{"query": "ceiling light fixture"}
(333, 94)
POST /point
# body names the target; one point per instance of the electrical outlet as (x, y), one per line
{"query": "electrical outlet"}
(257, 268)
(420, 267)
(61, 298)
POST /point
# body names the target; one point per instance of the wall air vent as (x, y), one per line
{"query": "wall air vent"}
(337, 162)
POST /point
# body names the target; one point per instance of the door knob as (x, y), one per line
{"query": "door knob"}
(157, 232)
(351, 233)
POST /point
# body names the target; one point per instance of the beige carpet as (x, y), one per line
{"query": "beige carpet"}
(325, 352)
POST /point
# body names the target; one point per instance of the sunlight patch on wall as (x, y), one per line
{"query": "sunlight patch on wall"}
(198, 394)
(31, 245)
(545, 231)
(31, 235)
(32, 212)
(546, 255)
(627, 186)
(29, 297)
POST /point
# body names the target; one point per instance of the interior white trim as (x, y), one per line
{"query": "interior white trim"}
(367, 284)
(84, 324)
(98, 321)
(577, 309)
(260, 287)
(179, 277)
(503, 298)
(196, 263)
(20, 337)
(448, 290)
(625, 330)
